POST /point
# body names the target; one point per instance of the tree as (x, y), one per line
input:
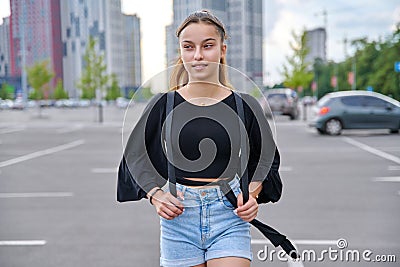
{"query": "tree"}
(297, 71)
(94, 75)
(4, 94)
(38, 76)
(59, 92)
(114, 91)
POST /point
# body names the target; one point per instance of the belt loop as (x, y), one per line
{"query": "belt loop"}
(220, 193)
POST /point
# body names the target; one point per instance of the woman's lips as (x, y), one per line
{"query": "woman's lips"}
(199, 66)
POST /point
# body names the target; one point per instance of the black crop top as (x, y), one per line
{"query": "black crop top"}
(205, 141)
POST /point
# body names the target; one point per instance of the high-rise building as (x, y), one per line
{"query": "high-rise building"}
(316, 42)
(35, 29)
(5, 48)
(245, 53)
(132, 74)
(243, 21)
(103, 20)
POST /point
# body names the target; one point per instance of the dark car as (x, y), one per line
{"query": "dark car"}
(283, 101)
(356, 110)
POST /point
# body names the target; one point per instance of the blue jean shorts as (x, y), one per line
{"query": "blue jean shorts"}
(207, 229)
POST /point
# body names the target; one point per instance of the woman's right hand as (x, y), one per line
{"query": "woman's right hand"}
(167, 205)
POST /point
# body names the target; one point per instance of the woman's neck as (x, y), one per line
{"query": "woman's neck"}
(204, 93)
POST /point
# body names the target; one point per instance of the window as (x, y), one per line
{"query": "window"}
(370, 101)
(77, 28)
(354, 101)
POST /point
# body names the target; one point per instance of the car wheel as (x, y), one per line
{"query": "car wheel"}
(333, 127)
(394, 131)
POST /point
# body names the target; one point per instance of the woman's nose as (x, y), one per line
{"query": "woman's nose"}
(198, 55)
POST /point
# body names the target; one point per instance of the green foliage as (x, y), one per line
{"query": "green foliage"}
(114, 91)
(38, 76)
(255, 92)
(94, 75)
(35, 94)
(297, 71)
(59, 92)
(143, 93)
(374, 65)
(5, 91)
(373, 62)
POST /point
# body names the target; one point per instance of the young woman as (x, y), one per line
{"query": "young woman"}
(200, 227)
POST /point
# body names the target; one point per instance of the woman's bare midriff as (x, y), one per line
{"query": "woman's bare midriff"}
(205, 180)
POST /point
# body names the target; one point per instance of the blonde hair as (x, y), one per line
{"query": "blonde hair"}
(179, 75)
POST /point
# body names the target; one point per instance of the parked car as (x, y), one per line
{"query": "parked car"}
(356, 110)
(283, 101)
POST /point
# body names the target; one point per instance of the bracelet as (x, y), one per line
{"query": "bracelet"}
(152, 194)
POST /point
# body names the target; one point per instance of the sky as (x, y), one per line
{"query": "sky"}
(345, 19)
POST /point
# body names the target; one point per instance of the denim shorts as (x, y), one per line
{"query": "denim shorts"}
(207, 229)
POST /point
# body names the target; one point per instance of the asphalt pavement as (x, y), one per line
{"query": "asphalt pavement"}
(58, 203)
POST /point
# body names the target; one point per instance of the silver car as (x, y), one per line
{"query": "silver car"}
(356, 110)
(283, 101)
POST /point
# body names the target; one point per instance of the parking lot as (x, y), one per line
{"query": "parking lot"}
(58, 204)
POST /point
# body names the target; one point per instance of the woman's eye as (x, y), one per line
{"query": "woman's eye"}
(187, 46)
(208, 45)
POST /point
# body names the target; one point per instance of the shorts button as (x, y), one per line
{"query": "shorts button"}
(203, 194)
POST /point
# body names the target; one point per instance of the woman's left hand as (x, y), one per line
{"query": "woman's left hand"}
(248, 211)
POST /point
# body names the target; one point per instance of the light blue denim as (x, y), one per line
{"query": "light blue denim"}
(207, 229)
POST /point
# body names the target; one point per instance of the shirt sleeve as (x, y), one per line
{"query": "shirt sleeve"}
(144, 150)
(261, 142)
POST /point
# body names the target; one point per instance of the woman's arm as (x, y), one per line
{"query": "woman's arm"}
(255, 189)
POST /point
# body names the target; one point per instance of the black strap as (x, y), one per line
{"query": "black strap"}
(244, 181)
(168, 140)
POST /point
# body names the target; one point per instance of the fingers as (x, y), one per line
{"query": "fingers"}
(168, 206)
(248, 211)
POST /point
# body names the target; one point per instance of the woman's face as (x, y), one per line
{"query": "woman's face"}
(201, 51)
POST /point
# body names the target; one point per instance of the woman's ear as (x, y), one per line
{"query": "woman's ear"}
(223, 50)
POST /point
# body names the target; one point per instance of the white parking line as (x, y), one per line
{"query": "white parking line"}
(39, 194)
(41, 153)
(387, 179)
(23, 243)
(286, 168)
(372, 150)
(394, 168)
(104, 170)
(298, 242)
(11, 130)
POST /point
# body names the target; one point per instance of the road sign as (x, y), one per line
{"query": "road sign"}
(397, 66)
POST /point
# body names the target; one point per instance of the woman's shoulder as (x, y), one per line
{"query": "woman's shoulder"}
(156, 103)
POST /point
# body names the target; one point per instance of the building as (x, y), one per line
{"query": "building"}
(132, 73)
(118, 39)
(245, 52)
(316, 43)
(243, 21)
(5, 48)
(35, 35)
